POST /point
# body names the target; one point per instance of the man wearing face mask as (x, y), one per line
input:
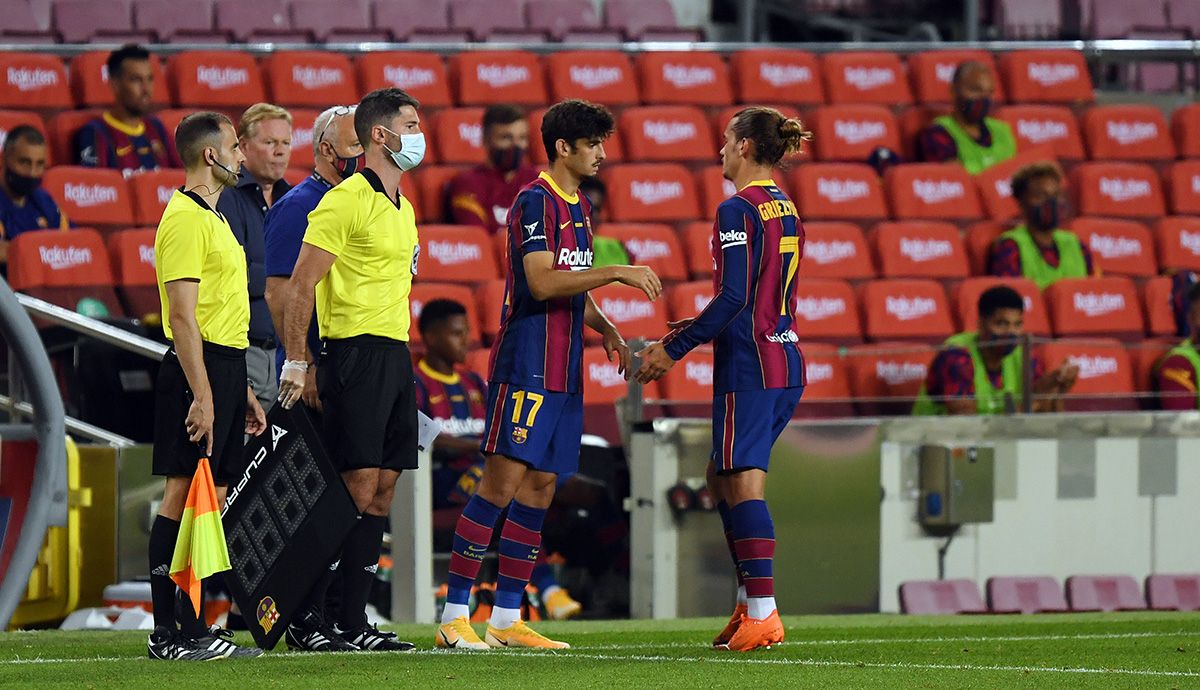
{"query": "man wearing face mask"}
(24, 205)
(356, 266)
(1038, 249)
(968, 135)
(482, 195)
(980, 372)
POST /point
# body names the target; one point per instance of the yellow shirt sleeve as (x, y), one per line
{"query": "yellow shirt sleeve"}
(328, 228)
(181, 248)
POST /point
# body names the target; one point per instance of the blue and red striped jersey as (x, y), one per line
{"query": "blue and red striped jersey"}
(455, 402)
(757, 242)
(540, 344)
(106, 142)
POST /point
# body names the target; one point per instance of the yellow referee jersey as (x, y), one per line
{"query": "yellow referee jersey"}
(193, 242)
(375, 242)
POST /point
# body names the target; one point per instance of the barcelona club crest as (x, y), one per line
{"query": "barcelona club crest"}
(520, 435)
(267, 614)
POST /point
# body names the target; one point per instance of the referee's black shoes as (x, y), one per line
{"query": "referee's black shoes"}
(171, 645)
(220, 641)
(312, 634)
(372, 639)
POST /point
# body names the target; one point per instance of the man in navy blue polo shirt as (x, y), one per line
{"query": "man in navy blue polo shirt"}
(24, 204)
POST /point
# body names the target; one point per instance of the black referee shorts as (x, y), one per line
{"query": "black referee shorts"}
(367, 389)
(174, 454)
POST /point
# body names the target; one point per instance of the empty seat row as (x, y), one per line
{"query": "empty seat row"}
(317, 78)
(1043, 594)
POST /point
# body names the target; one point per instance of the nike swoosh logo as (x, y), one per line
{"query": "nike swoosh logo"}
(447, 640)
(476, 548)
(563, 226)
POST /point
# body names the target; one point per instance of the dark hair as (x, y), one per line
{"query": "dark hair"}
(197, 132)
(572, 120)
(117, 58)
(26, 133)
(1000, 297)
(967, 66)
(773, 134)
(378, 108)
(501, 114)
(1029, 173)
(437, 311)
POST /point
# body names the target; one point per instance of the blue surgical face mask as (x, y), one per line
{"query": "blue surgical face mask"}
(412, 150)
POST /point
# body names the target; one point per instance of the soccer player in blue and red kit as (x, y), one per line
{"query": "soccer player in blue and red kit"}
(758, 242)
(535, 392)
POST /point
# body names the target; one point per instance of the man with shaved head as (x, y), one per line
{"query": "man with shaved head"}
(967, 134)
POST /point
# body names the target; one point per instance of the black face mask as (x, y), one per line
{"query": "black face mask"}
(1044, 216)
(974, 110)
(347, 166)
(21, 185)
(507, 160)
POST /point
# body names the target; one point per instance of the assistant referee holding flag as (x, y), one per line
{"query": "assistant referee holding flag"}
(359, 257)
(202, 402)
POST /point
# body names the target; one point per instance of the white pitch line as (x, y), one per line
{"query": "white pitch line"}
(918, 640)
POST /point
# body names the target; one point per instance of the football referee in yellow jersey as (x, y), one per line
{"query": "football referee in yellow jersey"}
(357, 263)
(202, 401)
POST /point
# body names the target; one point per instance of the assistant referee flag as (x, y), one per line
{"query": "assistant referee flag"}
(200, 550)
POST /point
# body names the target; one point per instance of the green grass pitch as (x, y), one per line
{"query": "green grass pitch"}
(1127, 650)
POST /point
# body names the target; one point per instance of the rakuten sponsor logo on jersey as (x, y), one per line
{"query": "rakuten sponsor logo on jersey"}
(655, 192)
(626, 310)
(817, 372)
(938, 191)
(574, 259)
(698, 372)
(594, 76)
(663, 132)
(146, 253)
(867, 78)
(858, 132)
(1052, 73)
(606, 374)
(460, 427)
(501, 76)
(452, 253)
(921, 250)
(409, 77)
(648, 250)
(1190, 241)
(1095, 304)
(312, 78)
(688, 76)
(1042, 131)
(472, 133)
(1127, 133)
(87, 195)
(1124, 190)
(820, 308)
(1094, 366)
(1110, 247)
(220, 78)
(910, 308)
(842, 191)
(60, 258)
(732, 238)
(899, 373)
(785, 75)
(31, 78)
(831, 252)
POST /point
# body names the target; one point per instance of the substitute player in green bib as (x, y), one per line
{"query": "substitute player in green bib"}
(968, 135)
(356, 264)
(1176, 374)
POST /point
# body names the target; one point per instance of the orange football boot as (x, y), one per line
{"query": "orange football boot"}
(722, 639)
(754, 633)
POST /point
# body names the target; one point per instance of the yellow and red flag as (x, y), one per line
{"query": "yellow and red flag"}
(200, 550)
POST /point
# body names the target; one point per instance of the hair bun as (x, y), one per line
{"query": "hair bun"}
(793, 134)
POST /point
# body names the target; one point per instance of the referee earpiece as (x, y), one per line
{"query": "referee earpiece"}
(220, 165)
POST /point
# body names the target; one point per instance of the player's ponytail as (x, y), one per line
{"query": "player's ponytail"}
(793, 134)
(774, 135)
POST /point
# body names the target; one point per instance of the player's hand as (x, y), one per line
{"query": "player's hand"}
(291, 382)
(682, 323)
(310, 395)
(199, 424)
(614, 344)
(1066, 376)
(256, 419)
(642, 278)
(655, 363)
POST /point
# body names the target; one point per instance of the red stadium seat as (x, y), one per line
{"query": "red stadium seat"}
(459, 135)
(215, 79)
(603, 383)
(151, 191)
(933, 70)
(243, 20)
(432, 182)
(919, 249)
(171, 117)
(698, 78)
(650, 192)
(995, 183)
(132, 253)
(1119, 246)
(1025, 595)
(89, 196)
(457, 254)
(689, 299)
(81, 21)
(10, 119)
(691, 379)
(1173, 592)
(343, 21)
(1144, 356)
(1127, 132)
(714, 188)
(630, 311)
(1104, 593)
(171, 20)
(404, 18)
(479, 361)
(491, 301)
(865, 77)
(64, 268)
(1046, 76)
(835, 250)
(1053, 126)
(852, 132)
(643, 20)
(966, 297)
(1156, 302)
(913, 121)
(62, 129)
(839, 191)
(483, 17)
(828, 377)
(1120, 190)
(600, 76)
(648, 244)
(1105, 306)
(777, 76)
(697, 246)
(487, 77)
(980, 237)
(1178, 240)
(302, 137)
(1183, 187)
(424, 292)
(905, 309)
(423, 75)
(1105, 381)
(1185, 125)
(667, 133)
(34, 81)
(943, 191)
(934, 597)
(827, 311)
(558, 17)
(89, 80)
(886, 377)
(309, 78)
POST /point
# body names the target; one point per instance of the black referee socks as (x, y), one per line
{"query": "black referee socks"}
(360, 560)
(163, 535)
